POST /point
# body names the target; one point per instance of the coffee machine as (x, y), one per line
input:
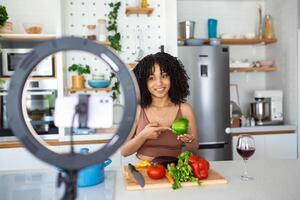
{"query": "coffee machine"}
(267, 108)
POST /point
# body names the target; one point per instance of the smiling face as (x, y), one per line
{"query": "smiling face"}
(158, 83)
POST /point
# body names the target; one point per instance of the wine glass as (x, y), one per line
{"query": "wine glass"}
(245, 147)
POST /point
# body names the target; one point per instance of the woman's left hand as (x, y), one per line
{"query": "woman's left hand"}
(186, 138)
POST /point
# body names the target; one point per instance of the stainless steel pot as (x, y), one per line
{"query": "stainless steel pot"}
(186, 30)
(261, 110)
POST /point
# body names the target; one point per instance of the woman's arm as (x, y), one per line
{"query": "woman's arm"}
(135, 141)
(128, 146)
(187, 112)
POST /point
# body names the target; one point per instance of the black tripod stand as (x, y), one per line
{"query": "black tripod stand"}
(69, 177)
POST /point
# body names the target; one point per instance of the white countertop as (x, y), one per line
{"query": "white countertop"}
(41, 185)
(248, 129)
(274, 180)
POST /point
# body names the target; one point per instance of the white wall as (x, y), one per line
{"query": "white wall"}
(34, 11)
(170, 22)
(284, 52)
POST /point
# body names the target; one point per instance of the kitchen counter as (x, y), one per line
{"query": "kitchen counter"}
(262, 130)
(274, 180)
(101, 136)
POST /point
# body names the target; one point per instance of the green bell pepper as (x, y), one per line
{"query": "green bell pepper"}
(180, 126)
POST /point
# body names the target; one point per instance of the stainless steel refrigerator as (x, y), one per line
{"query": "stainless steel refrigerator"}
(208, 69)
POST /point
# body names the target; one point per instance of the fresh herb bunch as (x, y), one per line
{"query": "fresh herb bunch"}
(114, 36)
(116, 86)
(182, 172)
(3, 15)
(80, 69)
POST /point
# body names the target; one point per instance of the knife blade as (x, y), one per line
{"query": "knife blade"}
(137, 175)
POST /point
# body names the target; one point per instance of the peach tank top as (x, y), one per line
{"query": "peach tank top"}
(167, 143)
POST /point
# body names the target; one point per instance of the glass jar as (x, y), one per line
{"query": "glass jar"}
(91, 32)
(144, 3)
(102, 32)
(268, 28)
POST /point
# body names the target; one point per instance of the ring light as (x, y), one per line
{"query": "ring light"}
(16, 109)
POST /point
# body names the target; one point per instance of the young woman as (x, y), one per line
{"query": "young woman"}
(164, 87)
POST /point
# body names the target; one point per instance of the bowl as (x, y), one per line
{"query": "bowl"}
(194, 42)
(98, 83)
(32, 28)
(266, 63)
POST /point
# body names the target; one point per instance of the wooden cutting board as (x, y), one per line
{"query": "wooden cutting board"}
(214, 178)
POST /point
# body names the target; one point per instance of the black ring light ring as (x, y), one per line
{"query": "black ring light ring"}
(16, 117)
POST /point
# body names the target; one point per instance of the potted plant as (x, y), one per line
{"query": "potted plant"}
(5, 27)
(78, 80)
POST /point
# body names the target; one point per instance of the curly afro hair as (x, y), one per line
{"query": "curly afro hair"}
(179, 88)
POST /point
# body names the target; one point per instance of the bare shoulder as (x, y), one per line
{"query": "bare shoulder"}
(186, 109)
(138, 112)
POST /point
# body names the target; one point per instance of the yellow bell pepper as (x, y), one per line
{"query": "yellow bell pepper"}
(142, 164)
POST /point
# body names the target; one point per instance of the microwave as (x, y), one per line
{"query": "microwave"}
(10, 59)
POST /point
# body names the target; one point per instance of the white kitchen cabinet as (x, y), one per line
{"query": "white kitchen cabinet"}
(21, 159)
(271, 146)
(281, 146)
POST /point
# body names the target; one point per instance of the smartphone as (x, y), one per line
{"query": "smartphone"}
(100, 111)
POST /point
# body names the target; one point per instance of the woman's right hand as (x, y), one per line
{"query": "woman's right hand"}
(153, 130)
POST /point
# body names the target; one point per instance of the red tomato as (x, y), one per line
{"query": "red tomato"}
(156, 171)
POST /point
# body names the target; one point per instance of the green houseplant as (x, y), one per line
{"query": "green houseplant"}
(78, 80)
(5, 26)
(114, 36)
(3, 19)
(3, 15)
(115, 87)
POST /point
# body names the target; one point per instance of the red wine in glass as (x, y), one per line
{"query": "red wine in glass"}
(245, 147)
(246, 153)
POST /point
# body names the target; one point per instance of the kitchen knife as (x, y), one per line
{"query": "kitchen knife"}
(137, 175)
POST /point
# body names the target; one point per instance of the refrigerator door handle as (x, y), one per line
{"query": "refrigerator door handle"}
(228, 130)
(210, 145)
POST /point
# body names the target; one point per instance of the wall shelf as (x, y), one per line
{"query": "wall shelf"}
(85, 90)
(4, 78)
(244, 41)
(28, 36)
(253, 69)
(131, 66)
(106, 43)
(137, 10)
